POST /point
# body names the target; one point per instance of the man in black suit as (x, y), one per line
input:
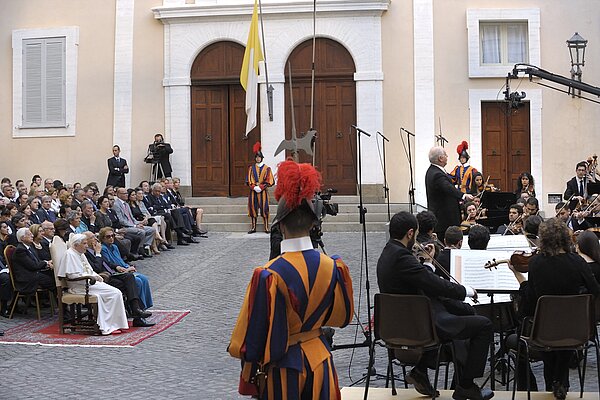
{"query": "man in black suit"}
(158, 152)
(442, 197)
(30, 272)
(117, 168)
(577, 186)
(45, 213)
(400, 272)
(575, 220)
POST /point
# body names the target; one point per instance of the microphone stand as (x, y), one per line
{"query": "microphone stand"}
(411, 190)
(386, 189)
(363, 222)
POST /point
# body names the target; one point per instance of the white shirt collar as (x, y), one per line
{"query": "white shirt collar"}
(440, 167)
(296, 244)
(260, 164)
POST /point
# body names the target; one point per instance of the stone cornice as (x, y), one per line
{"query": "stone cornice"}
(174, 14)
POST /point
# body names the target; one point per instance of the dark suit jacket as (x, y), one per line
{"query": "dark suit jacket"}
(573, 188)
(399, 272)
(442, 199)
(116, 172)
(44, 253)
(46, 215)
(26, 268)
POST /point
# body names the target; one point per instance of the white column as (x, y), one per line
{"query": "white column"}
(424, 92)
(122, 106)
(178, 127)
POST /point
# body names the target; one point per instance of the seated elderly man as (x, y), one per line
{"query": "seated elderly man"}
(30, 271)
(129, 224)
(111, 316)
(118, 277)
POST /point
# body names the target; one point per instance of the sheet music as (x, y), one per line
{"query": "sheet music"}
(467, 266)
(497, 242)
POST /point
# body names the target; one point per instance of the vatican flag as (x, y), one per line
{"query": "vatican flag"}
(249, 74)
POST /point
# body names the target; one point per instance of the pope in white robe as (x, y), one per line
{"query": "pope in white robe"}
(111, 311)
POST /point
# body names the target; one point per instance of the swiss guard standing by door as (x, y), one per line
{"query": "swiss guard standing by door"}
(259, 179)
(462, 175)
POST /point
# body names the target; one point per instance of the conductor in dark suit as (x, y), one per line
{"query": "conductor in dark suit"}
(117, 168)
(159, 152)
(30, 271)
(400, 272)
(442, 197)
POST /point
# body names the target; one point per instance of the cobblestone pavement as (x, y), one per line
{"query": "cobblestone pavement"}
(189, 360)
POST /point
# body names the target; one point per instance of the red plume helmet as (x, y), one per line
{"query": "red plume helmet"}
(257, 150)
(462, 150)
(295, 183)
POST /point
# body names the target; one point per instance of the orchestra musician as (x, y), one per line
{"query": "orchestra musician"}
(555, 270)
(532, 207)
(453, 239)
(577, 186)
(400, 272)
(592, 162)
(525, 184)
(531, 227)
(479, 237)
(470, 216)
(463, 174)
(574, 220)
(479, 186)
(515, 221)
(427, 222)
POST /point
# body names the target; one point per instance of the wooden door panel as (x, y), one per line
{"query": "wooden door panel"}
(209, 141)
(506, 145)
(240, 148)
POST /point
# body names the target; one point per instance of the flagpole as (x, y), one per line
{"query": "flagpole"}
(264, 46)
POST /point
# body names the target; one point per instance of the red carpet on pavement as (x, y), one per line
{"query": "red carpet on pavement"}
(45, 332)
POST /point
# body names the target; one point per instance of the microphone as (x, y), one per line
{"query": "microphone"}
(409, 132)
(383, 137)
(360, 130)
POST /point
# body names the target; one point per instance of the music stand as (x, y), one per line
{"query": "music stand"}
(497, 202)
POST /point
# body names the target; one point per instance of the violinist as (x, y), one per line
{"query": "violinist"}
(574, 220)
(479, 237)
(577, 186)
(588, 248)
(453, 239)
(532, 207)
(531, 228)
(555, 270)
(525, 184)
(515, 221)
(400, 272)
(479, 186)
(481, 211)
(470, 216)
(427, 222)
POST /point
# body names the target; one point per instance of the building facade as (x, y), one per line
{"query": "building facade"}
(118, 72)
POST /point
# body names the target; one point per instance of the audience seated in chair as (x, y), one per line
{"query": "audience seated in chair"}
(111, 310)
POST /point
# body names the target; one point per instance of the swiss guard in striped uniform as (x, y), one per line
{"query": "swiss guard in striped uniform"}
(259, 179)
(278, 333)
(462, 175)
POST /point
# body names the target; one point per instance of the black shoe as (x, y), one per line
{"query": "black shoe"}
(472, 393)
(251, 231)
(559, 391)
(139, 313)
(421, 383)
(142, 323)
(169, 246)
(4, 314)
(1, 333)
(182, 243)
(190, 240)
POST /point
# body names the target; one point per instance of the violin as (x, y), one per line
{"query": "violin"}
(519, 260)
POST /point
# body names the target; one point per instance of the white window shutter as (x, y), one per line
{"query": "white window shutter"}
(54, 95)
(44, 93)
(32, 82)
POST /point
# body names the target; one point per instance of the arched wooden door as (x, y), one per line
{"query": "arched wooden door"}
(220, 153)
(334, 111)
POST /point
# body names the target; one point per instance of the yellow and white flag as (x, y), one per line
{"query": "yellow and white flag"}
(249, 74)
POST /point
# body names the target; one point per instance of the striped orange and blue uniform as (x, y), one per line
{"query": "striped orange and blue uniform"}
(279, 326)
(258, 203)
(463, 177)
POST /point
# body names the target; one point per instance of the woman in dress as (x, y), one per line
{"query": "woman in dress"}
(111, 310)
